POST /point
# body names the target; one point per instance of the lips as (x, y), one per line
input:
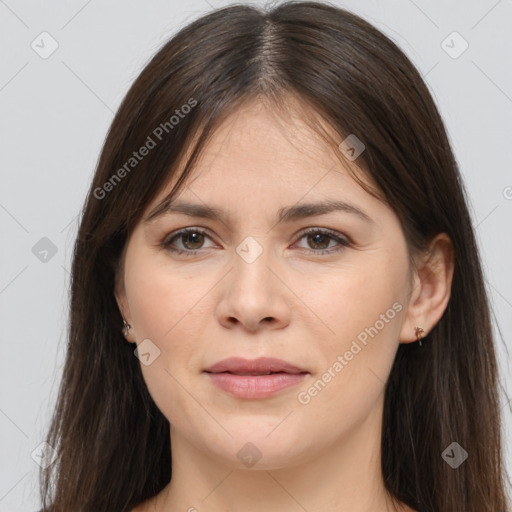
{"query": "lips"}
(260, 366)
(256, 378)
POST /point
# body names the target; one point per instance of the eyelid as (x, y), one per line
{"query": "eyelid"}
(337, 235)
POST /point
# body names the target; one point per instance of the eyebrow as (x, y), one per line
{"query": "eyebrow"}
(286, 214)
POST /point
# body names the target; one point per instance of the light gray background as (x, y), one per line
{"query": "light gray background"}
(55, 113)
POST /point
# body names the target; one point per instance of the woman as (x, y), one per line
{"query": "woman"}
(277, 230)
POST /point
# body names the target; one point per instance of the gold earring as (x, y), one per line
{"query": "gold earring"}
(419, 334)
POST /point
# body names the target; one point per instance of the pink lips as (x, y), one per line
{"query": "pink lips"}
(256, 378)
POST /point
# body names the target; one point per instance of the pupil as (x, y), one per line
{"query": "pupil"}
(317, 239)
(194, 237)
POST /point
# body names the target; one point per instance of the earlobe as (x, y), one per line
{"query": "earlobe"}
(430, 291)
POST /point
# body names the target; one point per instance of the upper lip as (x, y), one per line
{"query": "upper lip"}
(259, 366)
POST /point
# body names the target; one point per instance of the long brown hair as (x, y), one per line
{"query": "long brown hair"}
(112, 442)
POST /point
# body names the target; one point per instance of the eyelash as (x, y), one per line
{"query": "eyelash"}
(344, 242)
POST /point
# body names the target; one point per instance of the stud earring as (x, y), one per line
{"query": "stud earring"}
(126, 327)
(419, 334)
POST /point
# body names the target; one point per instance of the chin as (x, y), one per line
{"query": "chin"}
(255, 449)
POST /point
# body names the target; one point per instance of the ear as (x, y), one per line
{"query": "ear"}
(122, 301)
(430, 290)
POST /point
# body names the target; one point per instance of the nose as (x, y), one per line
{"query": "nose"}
(253, 296)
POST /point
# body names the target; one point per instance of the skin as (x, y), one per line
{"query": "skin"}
(292, 303)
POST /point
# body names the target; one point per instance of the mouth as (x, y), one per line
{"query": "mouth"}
(259, 366)
(255, 379)
(257, 373)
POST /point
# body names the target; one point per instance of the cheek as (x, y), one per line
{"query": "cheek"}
(363, 308)
(161, 300)
(352, 301)
(163, 311)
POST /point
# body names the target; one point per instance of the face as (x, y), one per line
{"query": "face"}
(324, 293)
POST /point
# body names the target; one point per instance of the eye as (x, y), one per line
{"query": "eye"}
(319, 240)
(192, 241)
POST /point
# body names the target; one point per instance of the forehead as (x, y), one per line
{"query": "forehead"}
(258, 149)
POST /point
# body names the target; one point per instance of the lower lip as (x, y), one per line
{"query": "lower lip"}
(255, 386)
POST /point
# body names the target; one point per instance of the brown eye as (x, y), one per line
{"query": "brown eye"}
(186, 241)
(192, 240)
(318, 241)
